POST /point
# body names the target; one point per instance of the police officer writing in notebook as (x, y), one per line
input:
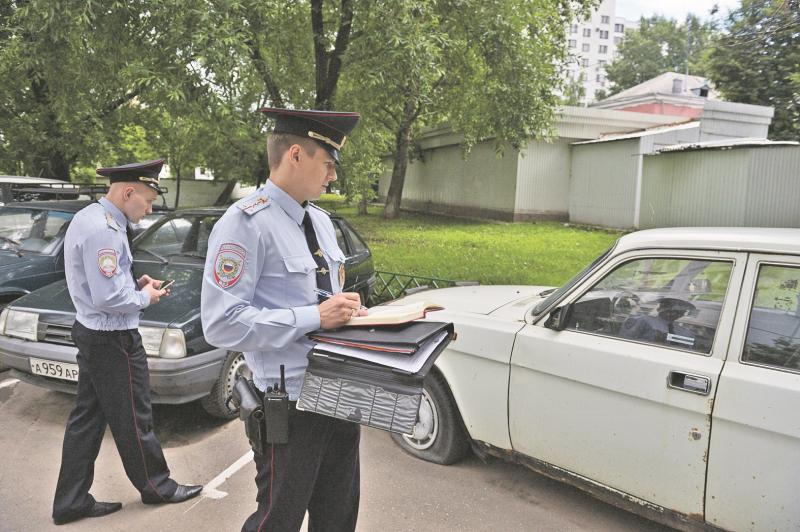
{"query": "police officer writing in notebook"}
(266, 257)
(113, 381)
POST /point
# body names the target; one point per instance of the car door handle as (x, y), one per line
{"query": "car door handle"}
(688, 382)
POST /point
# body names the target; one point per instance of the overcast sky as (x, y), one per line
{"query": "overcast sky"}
(677, 9)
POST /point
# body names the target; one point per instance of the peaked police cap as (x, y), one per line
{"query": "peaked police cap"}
(327, 128)
(146, 173)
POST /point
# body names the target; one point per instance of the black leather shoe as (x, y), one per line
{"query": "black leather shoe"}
(98, 510)
(183, 493)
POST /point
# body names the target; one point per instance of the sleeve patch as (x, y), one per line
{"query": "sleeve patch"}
(107, 261)
(229, 264)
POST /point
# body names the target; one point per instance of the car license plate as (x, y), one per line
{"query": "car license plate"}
(57, 370)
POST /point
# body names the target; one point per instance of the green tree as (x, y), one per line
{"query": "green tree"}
(71, 70)
(258, 53)
(487, 69)
(757, 61)
(659, 45)
(575, 90)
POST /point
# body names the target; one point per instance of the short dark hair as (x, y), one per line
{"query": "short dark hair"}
(278, 143)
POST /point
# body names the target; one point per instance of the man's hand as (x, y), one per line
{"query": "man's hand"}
(154, 293)
(146, 279)
(338, 310)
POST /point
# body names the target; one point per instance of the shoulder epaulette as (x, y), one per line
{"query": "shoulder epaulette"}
(319, 208)
(254, 203)
(111, 222)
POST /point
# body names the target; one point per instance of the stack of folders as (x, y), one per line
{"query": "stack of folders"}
(372, 375)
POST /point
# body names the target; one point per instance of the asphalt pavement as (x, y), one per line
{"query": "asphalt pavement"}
(398, 492)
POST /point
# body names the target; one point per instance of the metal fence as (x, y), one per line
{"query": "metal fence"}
(390, 285)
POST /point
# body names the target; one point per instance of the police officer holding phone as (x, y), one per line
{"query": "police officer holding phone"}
(267, 256)
(113, 379)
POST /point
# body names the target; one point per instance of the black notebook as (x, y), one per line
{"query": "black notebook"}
(400, 339)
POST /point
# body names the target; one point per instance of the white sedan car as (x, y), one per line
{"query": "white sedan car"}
(664, 377)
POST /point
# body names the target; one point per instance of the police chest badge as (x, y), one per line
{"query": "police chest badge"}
(107, 261)
(229, 265)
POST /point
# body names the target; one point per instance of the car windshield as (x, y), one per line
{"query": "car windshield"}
(184, 235)
(556, 295)
(32, 230)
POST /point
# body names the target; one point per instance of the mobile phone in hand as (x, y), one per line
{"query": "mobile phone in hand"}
(167, 284)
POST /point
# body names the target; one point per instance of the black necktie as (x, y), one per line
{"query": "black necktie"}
(129, 233)
(323, 277)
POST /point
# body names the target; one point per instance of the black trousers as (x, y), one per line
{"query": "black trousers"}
(113, 389)
(317, 470)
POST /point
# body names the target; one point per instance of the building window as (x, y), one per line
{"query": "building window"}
(600, 78)
(584, 62)
(617, 40)
(573, 43)
(602, 63)
(585, 47)
(587, 32)
(604, 34)
(573, 28)
(619, 28)
(604, 19)
(603, 49)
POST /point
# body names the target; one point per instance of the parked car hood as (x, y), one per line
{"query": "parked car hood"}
(181, 305)
(12, 265)
(496, 300)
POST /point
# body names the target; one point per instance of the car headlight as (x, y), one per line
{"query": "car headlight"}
(21, 324)
(164, 343)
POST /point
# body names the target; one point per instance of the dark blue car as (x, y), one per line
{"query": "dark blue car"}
(32, 245)
(35, 330)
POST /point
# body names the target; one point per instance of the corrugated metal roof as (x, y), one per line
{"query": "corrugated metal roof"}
(663, 84)
(726, 144)
(641, 133)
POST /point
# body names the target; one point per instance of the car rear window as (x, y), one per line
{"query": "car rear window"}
(773, 331)
(32, 230)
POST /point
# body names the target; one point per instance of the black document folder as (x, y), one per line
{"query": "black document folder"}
(403, 339)
(378, 389)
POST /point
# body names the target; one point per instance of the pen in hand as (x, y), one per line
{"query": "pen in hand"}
(326, 294)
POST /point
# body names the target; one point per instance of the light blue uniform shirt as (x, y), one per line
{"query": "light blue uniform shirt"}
(97, 264)
(259, 280)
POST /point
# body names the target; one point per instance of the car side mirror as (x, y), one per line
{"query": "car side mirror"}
(559, 318)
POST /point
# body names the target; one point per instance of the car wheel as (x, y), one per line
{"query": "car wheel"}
(438, 435)
(216, 403)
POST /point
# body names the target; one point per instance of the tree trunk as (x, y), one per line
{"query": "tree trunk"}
(57, 166)
(47, 161)
(402, 142)
(177, 185)
(362, 205)
(328, 63)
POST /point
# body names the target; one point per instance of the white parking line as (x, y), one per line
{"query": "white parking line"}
(210, 490)
(8, 382)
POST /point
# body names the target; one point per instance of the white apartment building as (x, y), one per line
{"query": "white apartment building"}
(593, 44)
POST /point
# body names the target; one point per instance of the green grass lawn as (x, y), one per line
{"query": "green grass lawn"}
(543, 253)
